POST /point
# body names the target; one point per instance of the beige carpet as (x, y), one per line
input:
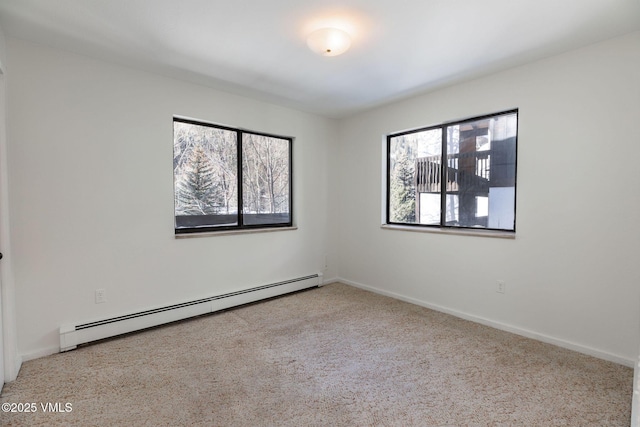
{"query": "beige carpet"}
(333, 356)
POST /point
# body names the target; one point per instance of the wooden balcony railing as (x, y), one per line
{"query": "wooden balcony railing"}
(466, 172)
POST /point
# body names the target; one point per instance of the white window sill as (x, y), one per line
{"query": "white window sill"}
(458, 232)
(230, 232)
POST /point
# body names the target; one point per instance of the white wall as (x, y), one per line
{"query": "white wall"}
(90, 147)
(572, 273)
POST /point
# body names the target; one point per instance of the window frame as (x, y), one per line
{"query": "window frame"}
(442, 225)
(240, 226)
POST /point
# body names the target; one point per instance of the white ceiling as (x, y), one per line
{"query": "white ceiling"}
(258, 47)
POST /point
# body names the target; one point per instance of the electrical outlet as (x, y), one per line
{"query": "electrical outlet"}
(101, 296)
(501, 287)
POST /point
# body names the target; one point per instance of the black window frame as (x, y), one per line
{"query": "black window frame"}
(239, 182)
(443, 174)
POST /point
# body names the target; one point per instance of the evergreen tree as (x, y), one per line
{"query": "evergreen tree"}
(403, 191)
(194, 187)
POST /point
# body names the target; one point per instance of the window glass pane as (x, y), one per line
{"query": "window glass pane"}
(414, 177)
(480, 184)
(265, 180)
(429, 208)
(204, 172)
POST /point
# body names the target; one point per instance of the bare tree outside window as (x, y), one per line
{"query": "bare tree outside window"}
(265, 186)
(219, 185)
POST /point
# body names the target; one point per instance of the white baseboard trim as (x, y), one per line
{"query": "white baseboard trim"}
(40, 353)
(498, 325)
(326, 281)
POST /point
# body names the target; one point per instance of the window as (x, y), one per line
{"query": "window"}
(474, 188)
(227, 178)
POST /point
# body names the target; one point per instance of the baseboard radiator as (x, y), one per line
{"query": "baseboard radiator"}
(72, 335)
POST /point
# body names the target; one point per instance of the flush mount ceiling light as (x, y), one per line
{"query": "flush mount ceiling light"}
(329, 41)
